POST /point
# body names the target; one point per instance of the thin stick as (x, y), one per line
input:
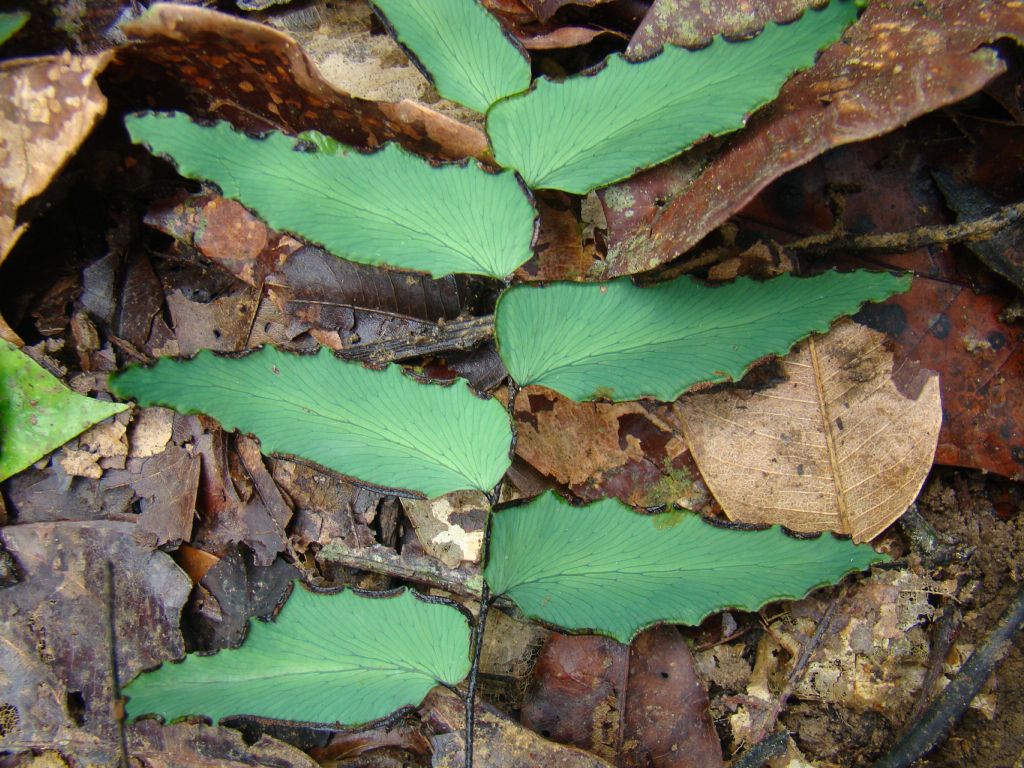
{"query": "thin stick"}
(115, 673)
(911, 239)
(474, 671)
(799, 668)
(950, 705)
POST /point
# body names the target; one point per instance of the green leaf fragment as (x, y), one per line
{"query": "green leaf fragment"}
(618, 341)
(38, 414)
(591, 130)
(608, 569)
(386, 208)
(341, 658)
(380, 427)
(463, 48)
(10, 23)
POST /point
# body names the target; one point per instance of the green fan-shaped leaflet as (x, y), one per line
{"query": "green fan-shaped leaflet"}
(10, 23)
(386, 208)
(37, 413)
(461, 46)
(591, 130)
(341, 658)
(380, 427)
(608, 569)
(618, 341)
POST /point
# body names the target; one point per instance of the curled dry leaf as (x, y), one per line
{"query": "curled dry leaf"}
(47, 108)
(901, 60)
(843, 443)
(218, 66)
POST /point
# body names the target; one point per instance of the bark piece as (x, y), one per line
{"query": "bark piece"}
(843, 443)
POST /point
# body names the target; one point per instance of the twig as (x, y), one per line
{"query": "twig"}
(485, 592)
(911, 239)
(797, 673)
(453, 336)
(115, 673)
(474, 671)
(950, 705)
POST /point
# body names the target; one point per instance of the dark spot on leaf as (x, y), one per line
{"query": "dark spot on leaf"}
(839, 424)
(800, 469)
(1017, 452)
(664, 675)
(75, 704)
(996, 339)
(890, 319)
(541, 403)
(940, 327)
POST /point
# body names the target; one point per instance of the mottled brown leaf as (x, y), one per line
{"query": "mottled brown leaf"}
(693, 23)
(901, 60)
(54, 624)
(606, 449)
(843, 443)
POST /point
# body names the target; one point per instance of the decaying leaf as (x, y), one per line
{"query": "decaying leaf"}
(47, 108)
(499, 741)
(439, 525)
(694, 23)
(462, 47)
(637, 705)
(38, 413)
(344, 658)
(594, 129)
(618, 341)
(605, 568)
(55, 666)
(384, 208)
(623, 450)
(901, 60)
(192, 745)
(378, 426)
(842, 444)
(220, 66)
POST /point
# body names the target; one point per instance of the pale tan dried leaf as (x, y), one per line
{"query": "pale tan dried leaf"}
(441, 525)
(836, 446)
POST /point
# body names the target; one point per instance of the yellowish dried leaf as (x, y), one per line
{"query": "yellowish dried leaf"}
(838, 445)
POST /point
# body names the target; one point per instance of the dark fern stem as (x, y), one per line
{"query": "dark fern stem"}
(485, 592)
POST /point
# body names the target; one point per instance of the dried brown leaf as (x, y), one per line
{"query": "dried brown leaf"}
(191, 745)
(844, 443)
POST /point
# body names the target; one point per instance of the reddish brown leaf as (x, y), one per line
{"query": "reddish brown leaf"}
(561, 37)
(901, 60)
(545, 9)
(168, 482)
(693, 23)
(218, 66)
(641, 706)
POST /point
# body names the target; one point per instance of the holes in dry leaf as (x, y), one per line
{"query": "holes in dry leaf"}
(9, 718)
(74, 702)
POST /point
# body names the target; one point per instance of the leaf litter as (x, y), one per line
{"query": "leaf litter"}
(316, 521)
